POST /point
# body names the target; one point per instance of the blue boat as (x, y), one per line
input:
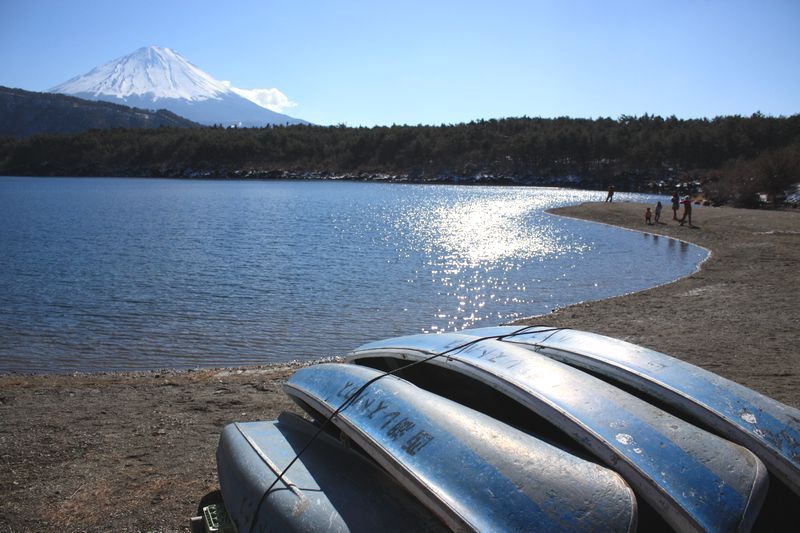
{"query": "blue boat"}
(695, 480)
(472, 471)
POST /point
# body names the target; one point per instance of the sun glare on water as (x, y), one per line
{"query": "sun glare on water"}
(474, 245)
(488, 231)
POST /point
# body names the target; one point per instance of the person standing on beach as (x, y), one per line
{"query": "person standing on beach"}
(658, 212)
(647, 215)
(687, 211)
(610, 197)
(675, 204)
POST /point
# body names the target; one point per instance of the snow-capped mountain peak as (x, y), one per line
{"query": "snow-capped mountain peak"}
(153, 71)
(154, 77)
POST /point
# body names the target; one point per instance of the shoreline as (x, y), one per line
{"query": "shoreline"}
(736, 315)
(135, 450)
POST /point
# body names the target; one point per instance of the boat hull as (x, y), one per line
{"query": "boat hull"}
(768, 428)
(472, 471)
(329, 488)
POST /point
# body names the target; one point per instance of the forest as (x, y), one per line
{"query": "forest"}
(732, 158)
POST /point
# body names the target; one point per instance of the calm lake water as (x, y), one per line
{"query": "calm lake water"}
(117, 273)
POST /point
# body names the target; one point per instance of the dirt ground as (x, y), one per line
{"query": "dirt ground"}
(135, 451)
(121, 451)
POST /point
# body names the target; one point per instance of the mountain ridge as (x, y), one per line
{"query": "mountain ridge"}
(25, 113)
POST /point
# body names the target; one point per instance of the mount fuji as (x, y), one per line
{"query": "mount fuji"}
(159, 78)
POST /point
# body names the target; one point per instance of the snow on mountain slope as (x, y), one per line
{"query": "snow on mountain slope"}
(157, 72)
(156, 77)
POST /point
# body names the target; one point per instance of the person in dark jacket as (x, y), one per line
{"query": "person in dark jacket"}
(676, 202)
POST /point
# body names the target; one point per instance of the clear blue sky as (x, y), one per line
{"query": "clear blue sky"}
(433, 62)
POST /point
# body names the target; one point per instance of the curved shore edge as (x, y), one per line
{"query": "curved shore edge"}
(738, 315)
(533, 319)
(135, 450)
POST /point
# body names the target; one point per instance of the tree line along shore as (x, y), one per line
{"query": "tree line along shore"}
(731, 159)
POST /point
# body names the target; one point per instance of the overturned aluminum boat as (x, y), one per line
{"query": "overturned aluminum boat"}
(328, 488)
(765, 426)
(472, 471)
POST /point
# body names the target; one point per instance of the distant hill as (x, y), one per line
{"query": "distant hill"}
(26, 113)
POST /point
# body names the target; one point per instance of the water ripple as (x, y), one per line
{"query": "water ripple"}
(104, 274)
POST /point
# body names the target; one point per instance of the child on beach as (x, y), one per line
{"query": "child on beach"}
(647, 215)
(658, 212)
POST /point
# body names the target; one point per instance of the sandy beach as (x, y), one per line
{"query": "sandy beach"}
(135, 451)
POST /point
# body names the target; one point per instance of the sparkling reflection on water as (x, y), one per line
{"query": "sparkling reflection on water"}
(475, 245)
(101, 274)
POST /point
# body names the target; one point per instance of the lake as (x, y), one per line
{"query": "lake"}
(124, 273)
